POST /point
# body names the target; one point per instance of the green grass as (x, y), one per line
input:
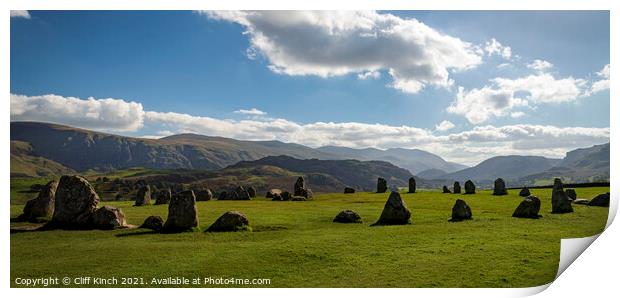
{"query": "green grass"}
(295, 244)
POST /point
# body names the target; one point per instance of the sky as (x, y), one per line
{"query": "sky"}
(465, 85)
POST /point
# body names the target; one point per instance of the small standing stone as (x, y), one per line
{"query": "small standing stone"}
(528, 208)
(204, 195)
(524, 192)
(412, 185)
(572, 195)
(348, 216)
(457, 187)
(143, 196)
(499, 187)
(381, 185)
(163, 196)
(108, 218)
(230, 221)
(460, 211)
(251, 191)
(42, 205)
(349, 190)
(470, 188)
(560, 202)
(153, 222)
(601, 200)
(445, 189)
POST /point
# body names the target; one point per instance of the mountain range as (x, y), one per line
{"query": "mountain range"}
(44, 149)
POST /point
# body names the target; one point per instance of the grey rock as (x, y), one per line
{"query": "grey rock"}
(560, 203)
(230, 221)
(412, 185)
(381, 185)
(182, 212)
(572, 195)
(457, 187)
(108, 218)
(395, 211)
(499, 188)
(143, 196)
(460, 211)
(153, 222)
(470, 188)
(163, 196)
(203, 195)
(42, 205)
(524, 192)
(528, 208)
(601, 200)
(349, 190)
(348, 216)
(445, 189)
(75, 203)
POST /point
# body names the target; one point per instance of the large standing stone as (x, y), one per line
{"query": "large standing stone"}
(42, 205)
(153, 222)
(108, 218)
(572, 195)
(348, 216)
(299, 187)
(412, 185)
(75, 203)
(242, 194)
(470, 188)
(230, 221)
(524, 192)
(395, 211)
(203, 195)
(181, 212)
(251, 191)
(163, 196)
(528, 208)
(499, 187)
(460, 211)
(445, 189)
(457, 187)
(381, 185)
(349, 190)
(560, 202)
(143, 196)
(601, 200)
(272, 192)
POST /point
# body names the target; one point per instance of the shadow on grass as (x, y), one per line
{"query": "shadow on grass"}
(138, 233)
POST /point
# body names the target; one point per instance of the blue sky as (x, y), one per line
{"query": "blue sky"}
(298, 77)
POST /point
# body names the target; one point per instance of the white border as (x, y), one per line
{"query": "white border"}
(592, 272)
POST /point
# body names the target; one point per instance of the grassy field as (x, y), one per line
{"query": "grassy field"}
(295, 244)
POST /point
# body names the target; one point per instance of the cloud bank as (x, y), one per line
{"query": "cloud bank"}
(336, 43)
(20, 14)
(468, 147)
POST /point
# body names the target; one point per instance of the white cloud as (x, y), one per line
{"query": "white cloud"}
(109, 114)
(252, 111)
(469, 147)
(496, 100)
(20, 14)
(603, 83)
(517, 114)
(503, 65)
(494, 47)
(444, 126)
(369, 75)
(540, 65)
(335, 43)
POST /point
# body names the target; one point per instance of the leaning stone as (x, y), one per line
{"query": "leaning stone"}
(42, 205)
(524, 192)
(230, 221)
(601, 200)
(446, 190)
(182, 212)
(381, 185)
(528, 208)
(460, 211)
(349, 190)
(75, 203)
(153, 222)
(499, 187)
(203, 195)
(348, 216)
(108, 218)
(470, 188)
(560, 202)
(412, 185)
(572, 195)
(143, 196)
(395, 211)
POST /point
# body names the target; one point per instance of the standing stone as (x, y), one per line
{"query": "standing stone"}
(348, 216)
(395, 211)
(499, 187)
(601, 200)
(524, 192)
(381, 185)
(412, 185)
(272, 192)
(460, 211)
(223, 195)
(153, 222)
(349, 190)
(203, 195)
(251, 191)
(560, 202)
(230, 221)
(163, 196)
(242, 194)
(181, 212)
(143, 196)
(572, 195)
(108, 218)
(286, 196)
(75, 203)
(470, 188)
(457, 187)
(299, 187)
(528, 208)
(42, 205)
(445, 189)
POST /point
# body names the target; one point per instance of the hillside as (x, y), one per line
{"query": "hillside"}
(414, 160)
(508, 167)
(24, 164)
